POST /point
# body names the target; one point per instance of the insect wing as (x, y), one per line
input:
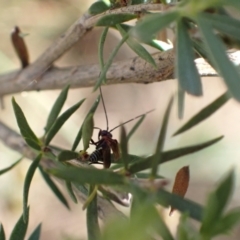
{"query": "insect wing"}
(106, 156)
(113, 143)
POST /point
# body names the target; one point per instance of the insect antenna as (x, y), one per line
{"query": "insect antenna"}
(131, 120)
(104, 107)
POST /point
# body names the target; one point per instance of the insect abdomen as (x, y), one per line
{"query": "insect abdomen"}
(96, 156)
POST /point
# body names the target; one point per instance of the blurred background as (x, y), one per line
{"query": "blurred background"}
(44, 21)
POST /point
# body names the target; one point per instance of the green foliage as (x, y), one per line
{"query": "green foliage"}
(87, 131)
(61, 120)
(27, 183)
(136, 47)
(57, 107)
(2, 233)
(126, 176)
(53, 187)
(27, 133)
(157, 158)
(188, 80)
(20, 229)
(36, 233)
(10, 167)
(92, 216)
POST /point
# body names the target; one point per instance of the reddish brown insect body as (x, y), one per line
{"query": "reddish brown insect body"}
(105, 143)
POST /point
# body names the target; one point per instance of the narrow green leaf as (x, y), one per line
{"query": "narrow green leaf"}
(217, 203)
(25, 129)
(113, 19)
(2, 233)
(98, 7)
(54, 187)
(70, 191)
(79, 134)
(152, 24)
(204, 113)
(224, 23)
(227, 222)
(10, 167)
(20, 229)
(186, 70)
(181, 98)
(67, 155)
(27, 183)
(157, 158)
(217, 54)
(167, 199)
(124, 147)
(170, 155)
(137, 47)
(56, 108)
(36, 233)
(135, 127)
(92, 217)
(159, 45)
(87, 175)
(87, 131)
(101, 46)
(109, 62)
(60, 121)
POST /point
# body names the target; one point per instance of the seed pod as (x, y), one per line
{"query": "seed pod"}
(181, 182)
(20, 47)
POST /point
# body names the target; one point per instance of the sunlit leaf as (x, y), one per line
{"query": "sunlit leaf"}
(186, 70)
(10, 167)
(54, 188)
(137, 47)
(56, 108)
(20, 229)
(181, 182)
(36, 233)
(152, 24)
(87, 131)
(61, 120)
(27, 183)
(217, 54)
(204, 113)
(25, 129)
(113, 19)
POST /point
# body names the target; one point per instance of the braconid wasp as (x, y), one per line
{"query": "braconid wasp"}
(106, 143)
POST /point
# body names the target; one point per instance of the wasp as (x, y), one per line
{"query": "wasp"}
(106, 143)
